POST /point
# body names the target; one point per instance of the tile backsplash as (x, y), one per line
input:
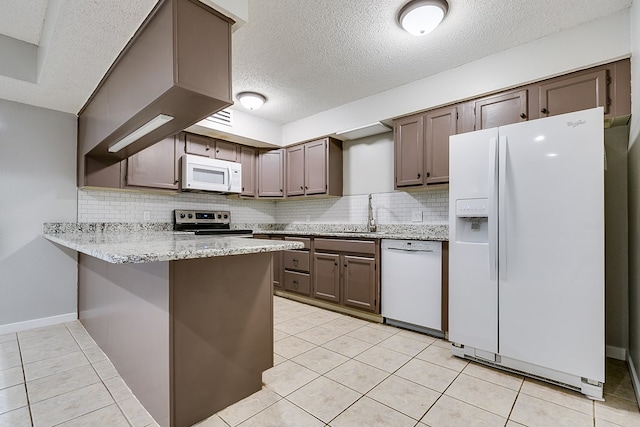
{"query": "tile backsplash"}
(121, 206)
(388, 208)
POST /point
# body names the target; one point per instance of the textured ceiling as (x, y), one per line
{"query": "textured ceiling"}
(23, 19)
(305, 56)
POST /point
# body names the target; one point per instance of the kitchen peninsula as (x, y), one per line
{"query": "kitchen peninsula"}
(186, 320)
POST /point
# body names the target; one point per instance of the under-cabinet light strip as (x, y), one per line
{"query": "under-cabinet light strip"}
(151, 125)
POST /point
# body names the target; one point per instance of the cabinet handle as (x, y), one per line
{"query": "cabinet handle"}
(345, 264)
(428, 174)
(295, 262)
(301, 187)
(306, 188)
(207, 149)
(175, 182)
(544, 111)
(523, 116)
(281, 190)
(242, 188)
(217, 151)
(295, 284)
(335, 263)
(419, 175)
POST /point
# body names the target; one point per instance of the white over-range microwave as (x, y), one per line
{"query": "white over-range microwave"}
(205, 174)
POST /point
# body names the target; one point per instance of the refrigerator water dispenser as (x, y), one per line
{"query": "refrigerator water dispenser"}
(472, 220)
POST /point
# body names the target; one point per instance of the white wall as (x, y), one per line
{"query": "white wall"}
(37, 184)
(590, 44)
(633, 164)
(368, 164)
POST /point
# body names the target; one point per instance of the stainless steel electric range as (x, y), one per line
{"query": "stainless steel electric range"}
(206, 222)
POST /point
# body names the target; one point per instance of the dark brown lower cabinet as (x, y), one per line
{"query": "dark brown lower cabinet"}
(346, 272)
(326, 276)
(359, 282)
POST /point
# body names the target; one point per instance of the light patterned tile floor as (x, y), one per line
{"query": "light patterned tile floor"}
(330, 370)
(347, 372)
(58, 376)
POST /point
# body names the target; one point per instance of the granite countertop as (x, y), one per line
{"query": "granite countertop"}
(435, 232)
(123, 245)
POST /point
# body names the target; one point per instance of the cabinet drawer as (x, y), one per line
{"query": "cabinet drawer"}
(305, 240)
(339, 245)
(297, 282)
(296, 260)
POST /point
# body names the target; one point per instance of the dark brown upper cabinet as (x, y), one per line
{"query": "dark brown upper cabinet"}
(271, 173)
(248, 162)
(314, 168)
(226, 151)
(574, 92)
(502, 109)
(409, 151)
(156, 166)
(422, 147)
(178, 64)
(210, 147)
(295, 171)
(607, 86)
(199, 145)
(439, 125)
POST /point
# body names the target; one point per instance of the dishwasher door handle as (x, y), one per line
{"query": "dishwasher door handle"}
(410, 250)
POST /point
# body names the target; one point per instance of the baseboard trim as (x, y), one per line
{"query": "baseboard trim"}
(37, 323)
(616, 352)
(634, 377)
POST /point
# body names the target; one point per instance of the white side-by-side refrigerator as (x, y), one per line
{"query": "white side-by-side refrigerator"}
(526, 248)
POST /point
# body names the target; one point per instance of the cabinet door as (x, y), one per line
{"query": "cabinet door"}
(199, 145)
(315, 170)
(226, 151)
(295, 170)
(439, 125)
(248, 162)
(154, 167)
(409, 151)
(270, 173)
(503, 109)
(326, 277)
(360, 284)
(574, 93)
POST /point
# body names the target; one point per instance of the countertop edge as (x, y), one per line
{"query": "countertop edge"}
(101, 252)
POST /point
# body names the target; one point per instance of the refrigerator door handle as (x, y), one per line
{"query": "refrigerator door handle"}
(492, 222)
(502, 208)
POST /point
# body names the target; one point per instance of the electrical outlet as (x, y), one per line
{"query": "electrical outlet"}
(416, 216)
(146, 216)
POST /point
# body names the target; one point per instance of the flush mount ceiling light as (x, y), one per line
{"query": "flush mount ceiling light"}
(251, 100)
(420, 17)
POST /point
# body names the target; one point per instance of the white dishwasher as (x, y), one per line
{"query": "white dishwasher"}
(412, 284)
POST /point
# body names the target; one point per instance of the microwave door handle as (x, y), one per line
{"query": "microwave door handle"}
(229, 177)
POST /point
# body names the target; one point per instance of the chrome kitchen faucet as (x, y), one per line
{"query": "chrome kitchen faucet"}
(371, 223)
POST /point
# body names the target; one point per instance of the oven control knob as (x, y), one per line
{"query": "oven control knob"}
(190, 216)
(226, 216)
(219, 216)
(181, 215)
